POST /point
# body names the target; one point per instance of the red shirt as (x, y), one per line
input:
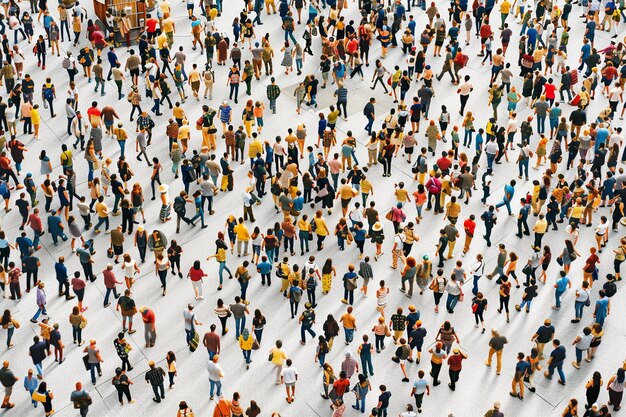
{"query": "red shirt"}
(454, 362)
(5, 163)
(78, 284)
(35, 222)
(94, 111)
(485, 31)
(151, 25)
(341, 386)
(550, 90)
(444, 163)
(469, 226)
(196, 274)
(148, 316)
(591, 262)
(109, 279)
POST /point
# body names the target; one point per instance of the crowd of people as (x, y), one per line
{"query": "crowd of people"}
(365, 188)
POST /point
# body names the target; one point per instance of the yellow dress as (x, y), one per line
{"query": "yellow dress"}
(327, 281)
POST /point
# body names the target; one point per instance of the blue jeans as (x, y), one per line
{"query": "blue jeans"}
(541, 124)
(215, 384)
(92, 369)
(122, 144)
(101, 220)
(240, 324)
(467, 138)
(490, 158)
(578, 308)
(246, 355)
(349, 334)
(36, 239)
(559, 369)
(108, 292)
(244, 287)
(289, 35)
(368, 126)
(221, 271)
(360, 404)
(303, 331)
(39, 368)
(557, 297)
(506, 203)
(523, 167)
(525, 303)
(451, 302)
(475, 284)
(40, 310)
(579, 356)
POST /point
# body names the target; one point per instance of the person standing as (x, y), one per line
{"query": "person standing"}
(215, 376)
(155, 377)
(93, 360)
(149, 322)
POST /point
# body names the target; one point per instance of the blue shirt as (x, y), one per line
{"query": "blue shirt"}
(509, 192)
(586, 51)
(264, 267)
(61, 271)
(479, 142)
(561, 284)
(24, 244)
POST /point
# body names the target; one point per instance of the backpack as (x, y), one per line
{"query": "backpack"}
(506, 290)
(610, 289)
(47, 92)
(311, 283)
(66, 63)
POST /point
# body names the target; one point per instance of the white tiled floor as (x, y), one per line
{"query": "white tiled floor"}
(478, 387)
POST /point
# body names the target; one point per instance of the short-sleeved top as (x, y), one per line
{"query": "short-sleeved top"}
(545, 333)
(196, 274)
(398, 322)
(238, 310)
(558, 355)
(420, 386)
(289, 374)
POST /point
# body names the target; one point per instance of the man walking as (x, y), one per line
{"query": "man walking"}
(155, 377)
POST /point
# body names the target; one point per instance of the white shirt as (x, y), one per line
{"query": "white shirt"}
(129, 268)
(215, 371)
(465, 88)
(289, 374)
(491, 148)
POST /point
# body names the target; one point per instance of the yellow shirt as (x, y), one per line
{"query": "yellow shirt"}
(278, 355)
(366, 186)
(402, 195)
(505, 7)
(254, 148)
(541, 226)
(178, 112)
(162, 41)
(454, 209)
(577, 212)
(348, 320)
(320, 227)
(242, 232)
(102, 210)
(303, 225)
(346, 192)
(35, 118)
(183, 132)
(167, 25)
(290, 139)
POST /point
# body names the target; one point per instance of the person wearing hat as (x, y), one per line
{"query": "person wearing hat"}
(121, 136)
(306, 321)
(455, 363)
(149, 321)
(155, 376)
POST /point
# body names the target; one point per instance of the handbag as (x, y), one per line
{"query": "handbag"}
(270, 357)
(39, 397)
(86, 362)
(212, 130)
(323, 192)
(83, 323)
(110, 253)
(559, 260)
(389, 216)
(255, 345)
(96, 164)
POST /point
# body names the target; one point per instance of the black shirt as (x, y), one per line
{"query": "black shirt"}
(545, 333)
